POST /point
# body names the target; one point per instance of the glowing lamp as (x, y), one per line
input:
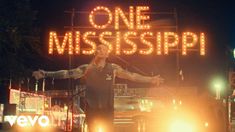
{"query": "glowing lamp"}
(181, 126)
(218, 84)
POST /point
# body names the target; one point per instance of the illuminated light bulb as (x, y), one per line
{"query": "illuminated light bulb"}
(140, 18)
(70, 43)
(159, 52)
(202, 44)
(92, 18)
(89, 42)
(119, 12)
(149, 44)
(77, 42)
(118, 43)
(103, 41)
(167, 44)
(186, 44)
(131, 43)
(50, 49)
(60, 49)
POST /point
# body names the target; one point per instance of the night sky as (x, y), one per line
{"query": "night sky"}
(215, 18)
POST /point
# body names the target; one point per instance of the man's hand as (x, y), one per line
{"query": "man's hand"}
(39, 74)
(157, 80)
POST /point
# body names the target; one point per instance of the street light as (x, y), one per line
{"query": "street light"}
(218, 85)
(218, 88)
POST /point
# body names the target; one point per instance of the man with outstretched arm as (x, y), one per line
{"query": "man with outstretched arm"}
(99, 77)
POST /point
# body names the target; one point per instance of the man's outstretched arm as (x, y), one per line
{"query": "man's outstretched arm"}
(124, 74)
(61, 74)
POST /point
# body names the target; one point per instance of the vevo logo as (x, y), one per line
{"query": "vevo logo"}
(24, 121)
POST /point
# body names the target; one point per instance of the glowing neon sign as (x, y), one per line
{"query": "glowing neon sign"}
(140, 39)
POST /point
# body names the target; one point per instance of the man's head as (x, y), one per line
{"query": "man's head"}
(102, 51)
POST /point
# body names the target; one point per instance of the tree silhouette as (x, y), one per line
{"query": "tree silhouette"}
(19, 38)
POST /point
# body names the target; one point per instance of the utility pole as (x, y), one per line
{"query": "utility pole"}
(179, 72)
(230, 86)
(70, 83)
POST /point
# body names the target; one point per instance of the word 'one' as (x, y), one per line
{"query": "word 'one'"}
(138, 15)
